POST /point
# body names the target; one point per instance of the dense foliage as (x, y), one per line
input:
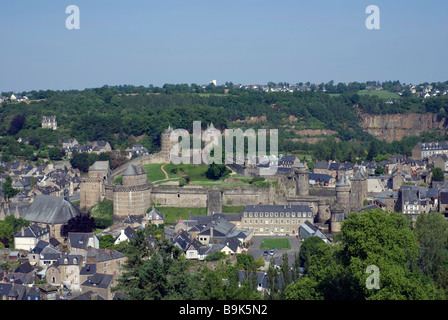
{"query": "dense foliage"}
(125, 115)
(412, 264)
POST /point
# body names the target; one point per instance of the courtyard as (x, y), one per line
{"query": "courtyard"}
(260, 244)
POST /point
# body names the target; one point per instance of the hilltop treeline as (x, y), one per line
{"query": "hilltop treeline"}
(125, 115)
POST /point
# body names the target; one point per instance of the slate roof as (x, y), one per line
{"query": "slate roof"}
(343, 182)
(88, 269)
(277, 208)
(320, 177)
(101, 255)
(443, 196)
(131, 170)
(99, 280)
(39, 247)
(50, 253)
(99, 166)
(307, 229)
(79, 240)
(155, 215)
(24, 268)
(321, 165)
(33, 231)
(51, 210)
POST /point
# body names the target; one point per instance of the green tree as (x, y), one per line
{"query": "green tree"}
(8, 190)
(310, 247)
(431, 230)
(55, 154)
(80, 161)
(437, 174)
(216, 171)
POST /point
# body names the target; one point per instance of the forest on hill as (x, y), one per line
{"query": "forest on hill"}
(126, 115)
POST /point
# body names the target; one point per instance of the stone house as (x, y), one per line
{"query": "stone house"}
(81, 241)
(49, 122)
(66, 272)
(43, 255)
(107, 261)
(441, 162)
(153, 217)
(100, 284)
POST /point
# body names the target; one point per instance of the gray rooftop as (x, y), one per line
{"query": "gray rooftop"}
(99, 166)
(51, 209)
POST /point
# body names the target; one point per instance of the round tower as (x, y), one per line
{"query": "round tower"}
(167, 144)
(337, 217)
(302, 178)
(324, 213)
(343, 192)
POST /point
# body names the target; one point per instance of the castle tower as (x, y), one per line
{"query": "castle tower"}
(337, 217)
(92, 187)
(358, 191)
(167, 144)
(343, 192)
(323, 211)
(133, 195)
(302, 179)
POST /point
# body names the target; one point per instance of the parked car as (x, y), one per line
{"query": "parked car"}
(271, 252)
(265, 253)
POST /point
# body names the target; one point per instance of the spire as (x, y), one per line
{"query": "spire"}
(342, 182)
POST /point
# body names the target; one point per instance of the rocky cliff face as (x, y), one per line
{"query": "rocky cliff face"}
(390, 127)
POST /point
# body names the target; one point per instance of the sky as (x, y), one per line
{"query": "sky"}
(143, 42)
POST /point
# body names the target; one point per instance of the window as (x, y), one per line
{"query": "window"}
(256, 214)
(281, 214)
(293, 214)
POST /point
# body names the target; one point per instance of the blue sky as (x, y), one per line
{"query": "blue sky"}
(155, 42)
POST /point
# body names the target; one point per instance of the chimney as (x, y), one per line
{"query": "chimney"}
(211, 233)
(23, 231)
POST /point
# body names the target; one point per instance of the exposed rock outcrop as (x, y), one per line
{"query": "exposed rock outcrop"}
(390, 127)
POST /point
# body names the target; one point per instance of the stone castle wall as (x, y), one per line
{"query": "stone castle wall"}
(131, 200)
(180, 197)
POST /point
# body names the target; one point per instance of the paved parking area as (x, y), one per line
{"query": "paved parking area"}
(255, 250)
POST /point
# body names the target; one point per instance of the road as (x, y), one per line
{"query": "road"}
(255, 250)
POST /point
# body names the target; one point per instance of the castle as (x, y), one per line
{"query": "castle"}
(134, 195)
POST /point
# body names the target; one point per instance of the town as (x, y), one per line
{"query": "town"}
(48, 258)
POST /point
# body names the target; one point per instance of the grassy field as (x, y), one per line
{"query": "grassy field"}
(154, 171)
(172, 213)
(275, 244)
(382, 94)
(196, 173)
(232, 209)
